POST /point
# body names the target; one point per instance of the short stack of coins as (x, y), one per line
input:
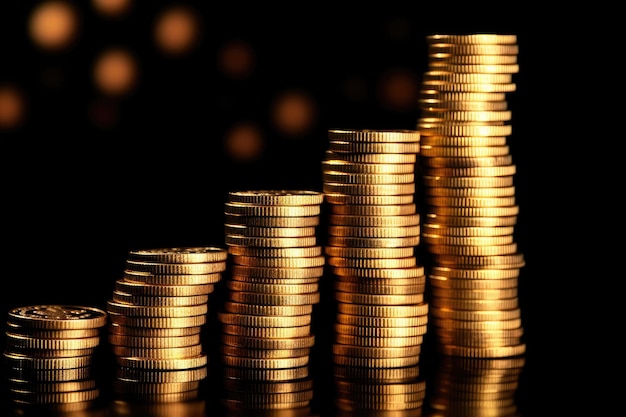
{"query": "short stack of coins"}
(50, 354)
(373, 231)
(470, 208)
(266, 319)
(475, 387)
(157, 312)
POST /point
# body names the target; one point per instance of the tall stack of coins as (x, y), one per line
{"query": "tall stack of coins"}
(266, 319)
(156, 316)
(470, 208)
(49, 356)
(476, 387)
(373, 231)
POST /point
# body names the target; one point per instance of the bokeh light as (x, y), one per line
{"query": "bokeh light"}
(236, 59)
(244, 142)
(53, 25)
(398, 90)
(177, 30)
(112, 8)
(115, 71)
(12, 107)
(294, 113)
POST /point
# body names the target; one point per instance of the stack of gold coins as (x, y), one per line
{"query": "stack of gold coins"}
(266, 318)
(49, 356)
(470, 208)
(373, 231)
(156, 316)
(475, 387)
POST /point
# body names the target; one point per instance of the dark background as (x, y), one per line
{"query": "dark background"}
(78, 196)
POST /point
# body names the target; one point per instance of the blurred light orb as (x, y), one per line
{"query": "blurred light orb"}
(176, 30)
(244, 142)
(12, 107)
(398, 90)
(294, 113)
(53, 24)
(112, 8)
(115, 72)
(236, 59)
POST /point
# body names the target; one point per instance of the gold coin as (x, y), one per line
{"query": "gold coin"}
(370, 189)
(159, 301)
(367, 253)
(436, 106)
(374, 242)
(412, 219)
(162, 364)
(410, 272)
(497, 171)
(347, 167)
(253, 320)
(29, 362)
(274, 221)
(157, 322)
(265, 363)
(153, 290)
(269, 375)
(283, 288)
(389, 299)
(372, 158)
(476, 325)
(461, 141)
(247, 209)
(376, 362)
(380, 332)
(149, 278)
(280, 262)
(261, 387)
(160, 268)
(58, 317)
(443, 196)
(434, 229)
(51, 333)
(465, 221)
(360, 178)
(154, 342)
(248, 251)
(483, 352)
(475, 273)
(56, 397)
(473, 39)
(200, 254)
(452, 96)
(373, 231)
(267, 310)
(340, 146)
(267, 332)
(475, 304)
(20, 341)
(124, 386)
(359, 210)
(276, 197)
(149, 332)
(274, 299)
(369, 199)
(367, 135)
(387, 375)
(372, 263)
(253, 231)
(29, 385)
(368, 288)
(157, 353)
(420, 280)
(263, 353)
(466, 77)
(474, 315)
(464, 153)
(506, 261)
(458, 63)
(467, 161)
(254, 342)
(156, 311)
(368, 321)
(465, 128)
(355, 387)
(388, 311)
(473, 48)
(467, 182)
(278, 273)
(271, 242)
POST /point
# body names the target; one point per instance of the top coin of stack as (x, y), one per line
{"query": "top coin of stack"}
(50, 350)
(470, 208)
(156, 312)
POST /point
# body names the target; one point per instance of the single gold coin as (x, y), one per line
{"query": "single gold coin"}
(389, 311)
(466, 221)
(376, 299)
(457, 284)
(51, 333)
(156, 311)
(369, 189)
(467, 182)
(253, 320)
(410, 272)
(461, 141)
(373, 231)
(58, 317)
(132, 387)
(472, 62)
(475, 293)
(248, 209)
(153, 290)
(466, 77)
(386, 375)
(496, 171)
(150, 332)
(436, 229)
(154, 342)
(466, 161)
(368, 135)
(484, 196)
(267, 310)
(375, 321)
(360, 178)
(269, 375)
(157, 322)
(341, 198)
(255, 231)
(473, 39)
(465, 128)
(359, 210)
(277, 197)
(267, 332)
(382, 289)
(476, 325)
(411, 219)
(149, 278)
(373, 147)
(196, 254)
(248, 297)
(280, 262)
(274, 221)
(348, 360)
(484, 352)
(34, 363)
(261, 252)
(455, 153)
(282, 288)
(157, 353)
(372, 263)
(367, 253)
(14, 340)
(347, 167)
(265, 363)
(255, 342)
(162, 364)
(159, 301)
(372, 158)
(263, 353)
(17, 385)
(472, 48)
(271, 242)
(161, 268)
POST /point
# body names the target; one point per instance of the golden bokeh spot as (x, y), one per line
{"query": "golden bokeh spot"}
(12, 107)
(115, 72)
(236, 59)
(111, 8)
(294, 113)
(53, 24)
(244, 142)
(398, 90)
(177, 30)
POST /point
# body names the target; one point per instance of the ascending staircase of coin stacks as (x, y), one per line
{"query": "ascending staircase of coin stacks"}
(276, 265)
(470, 209)
(157, 311)
(381, 318)
(49, 357)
